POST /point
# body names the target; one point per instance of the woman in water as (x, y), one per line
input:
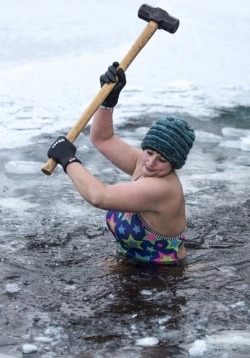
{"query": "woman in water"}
(147, 214)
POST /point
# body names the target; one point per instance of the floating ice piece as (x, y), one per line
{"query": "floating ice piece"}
(54, 332)
(12, 288)
(147, 342)
(239, 304)
(146, 292)
(29, 348)
(141, 131)
(241, 138)
(43, 339)
(235, 132)
(198, 348)
(83, 149)
(229, 338)
(23, 167)
(164, 319)
(16, 204)
(202, 136)
(245, 143)
(235, 144)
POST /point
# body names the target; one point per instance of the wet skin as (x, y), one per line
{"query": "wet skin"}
(155, 165)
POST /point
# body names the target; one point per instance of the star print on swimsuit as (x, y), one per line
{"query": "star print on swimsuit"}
(137, 229)
(131, 242)
(126, 217)
(135, 239)
(112, 224)
(121, 229)
(174, 244)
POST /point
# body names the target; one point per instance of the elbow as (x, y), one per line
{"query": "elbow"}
(95, 202)
(95, 199)
(96, 140)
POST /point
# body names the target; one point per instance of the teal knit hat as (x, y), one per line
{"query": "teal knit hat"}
(172, 138)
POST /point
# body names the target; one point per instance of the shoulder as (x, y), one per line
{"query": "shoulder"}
(169, 181)
(162, 189)
(166, 195)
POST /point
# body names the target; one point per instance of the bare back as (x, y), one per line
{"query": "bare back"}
(168, 217)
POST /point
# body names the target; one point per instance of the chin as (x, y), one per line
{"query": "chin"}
(147, 173)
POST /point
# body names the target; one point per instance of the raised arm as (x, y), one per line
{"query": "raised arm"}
(102, 135)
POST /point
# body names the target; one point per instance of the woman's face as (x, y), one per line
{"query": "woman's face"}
(154, 164)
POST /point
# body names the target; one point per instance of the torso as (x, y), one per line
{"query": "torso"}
(170, 219)
(137, 240)
(151, 236)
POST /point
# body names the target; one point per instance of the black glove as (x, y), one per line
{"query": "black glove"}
(110, 77)
(63, 152)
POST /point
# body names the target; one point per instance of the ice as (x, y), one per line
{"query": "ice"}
(23, 167)
(239, 138)
(202, 136)
(235, 132)
(230, 338)
(16, 204)
(236, 138)
(147, 342)
(164, 319)
(141, 131)
(43, 339)
(55, 332)
(146, 292)
(48, 84)
(235, 144)
(29, 348)
(241, 144)
(12, 288)
(239, 304)
(198, 348)
(245, 143)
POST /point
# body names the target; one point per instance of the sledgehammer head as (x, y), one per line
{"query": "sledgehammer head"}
(163, 19)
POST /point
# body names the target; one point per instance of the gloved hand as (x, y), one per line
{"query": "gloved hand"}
(63, 152)
(110, 77)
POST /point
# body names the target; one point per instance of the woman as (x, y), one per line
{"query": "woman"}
(146, 215)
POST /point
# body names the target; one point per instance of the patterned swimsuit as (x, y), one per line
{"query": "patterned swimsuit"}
(136, 240)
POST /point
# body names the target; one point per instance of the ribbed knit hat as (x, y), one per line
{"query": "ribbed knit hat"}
(172, 138)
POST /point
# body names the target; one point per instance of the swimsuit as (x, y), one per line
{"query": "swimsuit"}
(137, 240)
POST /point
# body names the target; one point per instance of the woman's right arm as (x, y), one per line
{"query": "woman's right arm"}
(102, 135)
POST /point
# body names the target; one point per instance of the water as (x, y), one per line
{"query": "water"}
(53, 53)
(75, 298)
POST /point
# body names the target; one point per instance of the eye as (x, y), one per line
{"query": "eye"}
(150, 152)
(162, 159)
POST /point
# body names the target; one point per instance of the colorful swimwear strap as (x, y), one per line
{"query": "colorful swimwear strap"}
(162, 237)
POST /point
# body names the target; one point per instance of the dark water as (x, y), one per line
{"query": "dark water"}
(63, 289)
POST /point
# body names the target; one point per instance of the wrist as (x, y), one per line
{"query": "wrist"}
(102, 106)
(70, 161)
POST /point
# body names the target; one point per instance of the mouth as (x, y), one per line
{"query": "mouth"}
(148, 170)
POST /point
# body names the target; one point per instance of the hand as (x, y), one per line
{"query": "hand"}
(63, 152)
(110, 77)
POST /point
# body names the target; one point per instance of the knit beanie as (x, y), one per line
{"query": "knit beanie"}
(172, 138)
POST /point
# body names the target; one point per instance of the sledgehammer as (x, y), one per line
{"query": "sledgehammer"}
(157, 18)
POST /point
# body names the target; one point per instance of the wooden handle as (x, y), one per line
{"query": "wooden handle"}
(141, 41)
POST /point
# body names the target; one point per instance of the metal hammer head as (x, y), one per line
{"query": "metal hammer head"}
(163, 19)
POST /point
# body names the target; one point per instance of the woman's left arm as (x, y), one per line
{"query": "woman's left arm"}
(146, 194)
(143, 195)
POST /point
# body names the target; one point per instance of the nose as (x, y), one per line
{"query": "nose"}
(151, 161)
